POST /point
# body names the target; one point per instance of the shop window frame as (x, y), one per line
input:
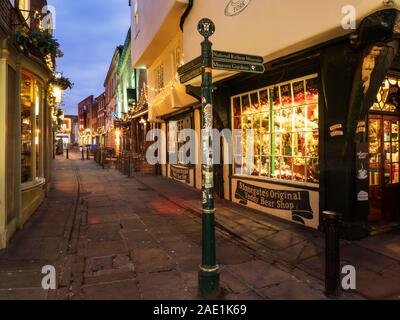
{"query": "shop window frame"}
(271, 132)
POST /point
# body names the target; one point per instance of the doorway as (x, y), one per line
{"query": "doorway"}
(384, 168)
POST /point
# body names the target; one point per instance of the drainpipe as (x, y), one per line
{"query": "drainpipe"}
(186, 14)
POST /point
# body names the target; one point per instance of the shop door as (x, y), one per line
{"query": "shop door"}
(384, 168)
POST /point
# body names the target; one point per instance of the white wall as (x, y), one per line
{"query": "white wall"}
(158, 23)
(271, 28)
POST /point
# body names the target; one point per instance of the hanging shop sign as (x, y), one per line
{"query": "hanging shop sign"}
(236, 7)
(295, 202)
(180, 173)
(362, 179)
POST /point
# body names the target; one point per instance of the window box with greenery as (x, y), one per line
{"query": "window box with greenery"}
(38, 43)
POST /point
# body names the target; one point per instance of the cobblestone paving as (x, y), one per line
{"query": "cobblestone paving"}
(111, 237)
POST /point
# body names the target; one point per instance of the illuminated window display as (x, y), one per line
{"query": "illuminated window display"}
(384, 135)
(27, 127)
(284, 119)
(31, 104)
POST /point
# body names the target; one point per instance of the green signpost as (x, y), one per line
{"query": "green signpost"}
(194, 64)
(209, 277)
(194, 73)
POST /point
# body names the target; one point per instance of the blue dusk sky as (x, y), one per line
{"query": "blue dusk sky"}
(88, 32)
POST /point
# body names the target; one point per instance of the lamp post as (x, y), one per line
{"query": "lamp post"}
(209, 287)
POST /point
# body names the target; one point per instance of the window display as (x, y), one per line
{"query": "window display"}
(27, 127)
(31, 113)
(176, 139)
(282, 122)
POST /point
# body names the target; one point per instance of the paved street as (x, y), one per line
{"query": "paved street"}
(111, 237)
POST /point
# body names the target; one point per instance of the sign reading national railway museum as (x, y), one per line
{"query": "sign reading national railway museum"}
(237, 57)
(294, 201)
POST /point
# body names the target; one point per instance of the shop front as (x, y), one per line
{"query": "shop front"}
(383, 138)
(179, 166)
(319, 132)
(276, 165)
(135, 141)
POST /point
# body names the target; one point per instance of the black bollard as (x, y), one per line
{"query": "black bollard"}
(88, 153)
(67, 154)
(332, 254)
(83, 154)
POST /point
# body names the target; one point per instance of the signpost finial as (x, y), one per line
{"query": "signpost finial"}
(206, 27)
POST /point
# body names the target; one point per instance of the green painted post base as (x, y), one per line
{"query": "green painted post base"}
(209, 288)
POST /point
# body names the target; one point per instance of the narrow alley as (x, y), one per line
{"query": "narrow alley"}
(113, 237)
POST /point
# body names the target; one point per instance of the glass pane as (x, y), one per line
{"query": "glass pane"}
(275, 97)
(245, 104)
(255, 105)
(236, 107)
(287, 144)
(387, 174)
(286, 169)
(313, 170)
(256, 166)
(312, 90)
(266, 144)
(299, 118)
(395, 173)
(277, 144)
(265, 166)
(264, 100)
(237, 123)
(313, 144)
(387, 131)
(299, 167)
(395, 130)
(375, 173)
(395, 151)
(388, 153)
(374, 136)
(264, 122)
(299, 93)
(312, 117)
(286, 95)
(299, 147)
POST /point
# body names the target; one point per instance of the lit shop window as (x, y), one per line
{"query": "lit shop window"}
(176, 138)
(27, 127)
(31, 123)
(279, 131)
(383, 133)
(38, 125)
